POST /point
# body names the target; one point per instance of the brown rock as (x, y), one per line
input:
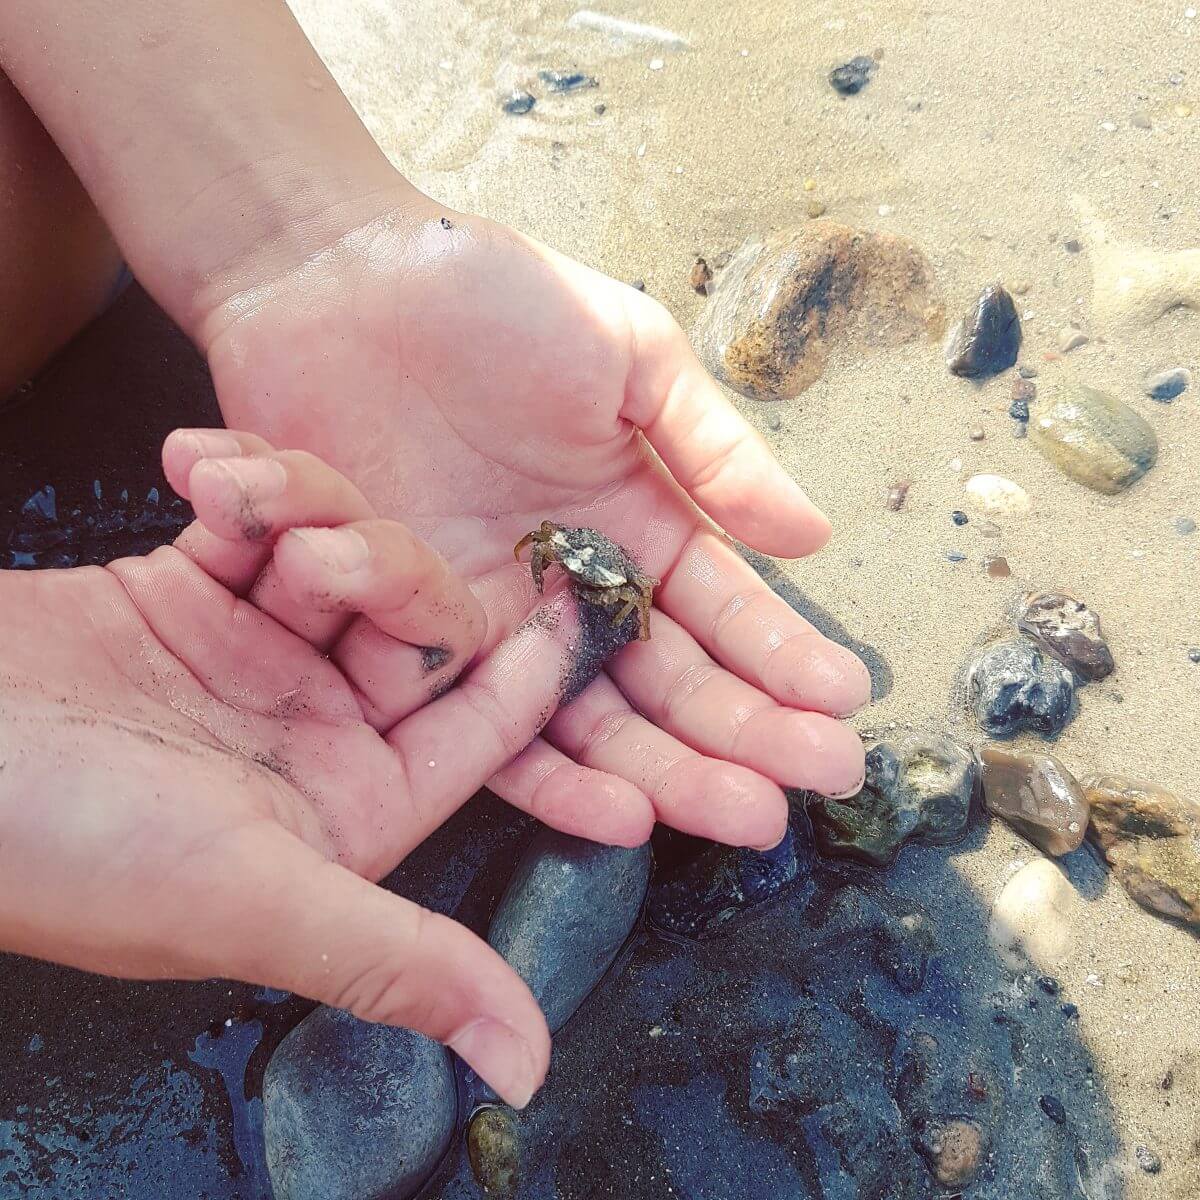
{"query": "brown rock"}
(1037, 796)
(953, 1148)
(1069, 630)
(897, 494)
(1151, 839)
(700, 277)
(783, 304)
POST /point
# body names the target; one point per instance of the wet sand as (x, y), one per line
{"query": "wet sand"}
(692, 158)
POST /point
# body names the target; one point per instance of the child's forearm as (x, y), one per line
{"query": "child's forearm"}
(208, 132)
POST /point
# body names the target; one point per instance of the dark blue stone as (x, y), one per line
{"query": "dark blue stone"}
(567, 81)
(852, 77)
(724, 883)
(1052, 1106)
(1019, 410)
(959, 517)
(567, 911)
(1014, 686)
(354, 1110)
(518, 104)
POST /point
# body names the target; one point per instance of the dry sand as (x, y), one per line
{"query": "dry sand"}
(713, 146)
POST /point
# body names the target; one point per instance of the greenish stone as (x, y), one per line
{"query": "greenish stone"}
(919, 786)
(1092, 437)
(494, 1149)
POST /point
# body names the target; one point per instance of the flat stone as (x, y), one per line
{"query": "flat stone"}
(1013, 686)
(1037, 796)
(995, 496)
(1167, 385)
(567, 910)
(518, 103)
(1151, 839)
(1092, 438)
(987, 339)
(918, 786)
(1034, 918)
(354, 1110)
(1071, 339)
(783, 303)
(1069, 630)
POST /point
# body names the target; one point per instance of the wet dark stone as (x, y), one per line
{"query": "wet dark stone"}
(1167, 385)
(1037, 796)
(850, 78)
(518, 103)
(354, 1110)
(918, 787)
(724, 884)
(1013, 686)
(569, 908)
(1053, 1108)
(1069, 630)
(567, 81)
(1070, 1011)
(1194, 654)
(987, 340)
(1048, 985)
(959, 517)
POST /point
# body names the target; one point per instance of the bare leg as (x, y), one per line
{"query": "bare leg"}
(58, 262)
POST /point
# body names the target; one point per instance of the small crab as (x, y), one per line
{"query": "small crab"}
(600, 570)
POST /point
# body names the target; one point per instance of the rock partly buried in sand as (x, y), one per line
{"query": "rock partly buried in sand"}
(1165, 386)
(919, 786)
(727, 884)
(954, 1149)
(782, 304)
(568, 909)
(1132, 286)
(1037, 796)
(987, 339)
(1151, 839)
(1092, 437)
(494, 1149)
(1013, 686)
(1035, 917)
(354, 1110)
(1069, 630)
(995, 496)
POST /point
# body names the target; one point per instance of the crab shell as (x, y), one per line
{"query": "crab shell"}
(580, 562)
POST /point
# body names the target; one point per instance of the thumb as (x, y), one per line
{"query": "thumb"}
(313, 927)
(710, 449)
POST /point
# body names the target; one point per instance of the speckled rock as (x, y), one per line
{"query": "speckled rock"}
(1035, 917)
(1069, 630)
(987, 339)
(779, 308)
(354, 1110)
(1037, 796)
(724, 884)
(850, 78)
(494, 1149)
(1013, 685)
(954, 1148)
(1092, 437)
(1151, 839)
(567, 911)
(918, 786)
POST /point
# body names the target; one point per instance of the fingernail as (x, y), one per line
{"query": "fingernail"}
(257, 478)
(341, 550)
(858, 787)
(214, 444)
(500, 1056)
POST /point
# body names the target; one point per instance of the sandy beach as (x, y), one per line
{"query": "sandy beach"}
(974, 134)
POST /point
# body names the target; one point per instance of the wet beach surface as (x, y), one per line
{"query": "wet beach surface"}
(829, 1043)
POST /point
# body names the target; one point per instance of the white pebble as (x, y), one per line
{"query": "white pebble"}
(995, 496)
(641, 150)
(886, 210)
(1108, 126)
(1035, 917)
(656, 64)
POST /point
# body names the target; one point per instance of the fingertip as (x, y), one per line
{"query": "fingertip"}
(835, 758)
(734, 805)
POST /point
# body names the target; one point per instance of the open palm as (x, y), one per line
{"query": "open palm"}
(474, 383)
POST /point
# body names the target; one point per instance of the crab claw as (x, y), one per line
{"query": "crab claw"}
(525, 541)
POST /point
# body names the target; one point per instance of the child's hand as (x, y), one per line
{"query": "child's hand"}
(204, 756)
